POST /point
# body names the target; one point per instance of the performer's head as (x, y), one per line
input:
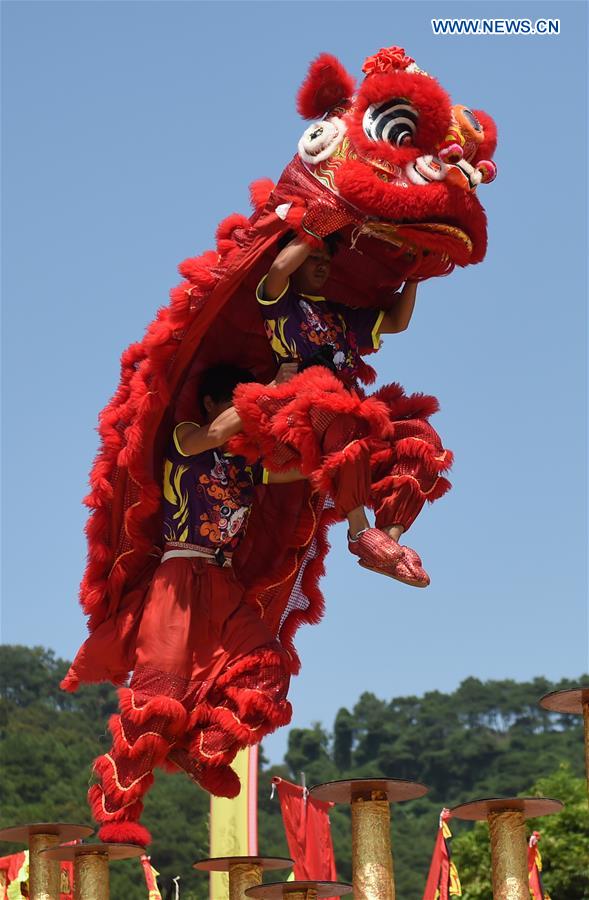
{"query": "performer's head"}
(216, 386)
(311, 276)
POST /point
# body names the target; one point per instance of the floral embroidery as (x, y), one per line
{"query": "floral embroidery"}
(207, 498)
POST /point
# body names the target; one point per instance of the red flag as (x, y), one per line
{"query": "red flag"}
(308, 832)
(443, 881)
(13, 867)
(14, 874)
(535, 869)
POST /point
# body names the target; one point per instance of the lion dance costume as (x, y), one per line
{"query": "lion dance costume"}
(393, 167)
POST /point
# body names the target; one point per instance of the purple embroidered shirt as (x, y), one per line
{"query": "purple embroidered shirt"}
(297, 325)
(207, 497)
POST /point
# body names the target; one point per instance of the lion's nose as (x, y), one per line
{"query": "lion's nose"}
(461, 174)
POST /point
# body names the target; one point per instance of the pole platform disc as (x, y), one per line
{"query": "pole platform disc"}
(566, 701)
(63, 830)
(531, 807)
(395, 789)
(280, 890)
(224, 863)
(113, 851)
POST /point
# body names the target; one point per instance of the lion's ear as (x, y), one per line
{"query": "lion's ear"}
(327, 84)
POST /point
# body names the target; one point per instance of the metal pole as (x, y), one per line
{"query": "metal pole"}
(372, 859)
(91, 876)
(241, 877)
(44, 873)
(509, 855)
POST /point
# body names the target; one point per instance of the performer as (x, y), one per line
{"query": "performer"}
(378, 451)
(209, 676)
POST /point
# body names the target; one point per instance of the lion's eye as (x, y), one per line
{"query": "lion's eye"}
(394, 121)
(472, 119)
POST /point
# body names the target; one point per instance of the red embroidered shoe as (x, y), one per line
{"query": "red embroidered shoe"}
(408, 569)
(375, 548)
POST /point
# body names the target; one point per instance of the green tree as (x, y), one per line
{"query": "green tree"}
(564, 843)
(343, 736)
(484, 739)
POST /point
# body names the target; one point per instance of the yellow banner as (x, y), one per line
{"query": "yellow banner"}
(234, 823)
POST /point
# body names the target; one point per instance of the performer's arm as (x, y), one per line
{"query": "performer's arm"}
(192, 439)
(287, 262)
(397, 319)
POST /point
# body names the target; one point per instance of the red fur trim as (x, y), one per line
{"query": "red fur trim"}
(221, 781)
(406, 406)
(125, 833)
(220, 757)
(147, 744)
(285, 414)
(228, 235)
(441, 487)
(130, 811)
(392, 483)
(106, 768)
(197, 270)
(366, 374)
(326, 85)
(200, 717)
(140, 712)
(226, 229)
(260, 191)
(488, 145)
(251, 703)
(255, 661)
(241, 733)
(434, 459)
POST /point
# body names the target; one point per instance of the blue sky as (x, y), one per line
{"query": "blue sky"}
(130, 129)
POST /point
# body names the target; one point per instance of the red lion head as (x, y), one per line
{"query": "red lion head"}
(395, 158)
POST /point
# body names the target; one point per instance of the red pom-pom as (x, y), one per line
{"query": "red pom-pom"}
(125, 833)
(260, 191)
(388, 59)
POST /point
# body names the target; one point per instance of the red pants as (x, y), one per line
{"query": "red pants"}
(378, 451)
(209, 679)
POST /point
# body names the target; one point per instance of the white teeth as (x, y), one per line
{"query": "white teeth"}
(474, 175)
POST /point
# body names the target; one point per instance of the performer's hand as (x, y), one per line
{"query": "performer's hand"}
(397, 318)
(286, 372)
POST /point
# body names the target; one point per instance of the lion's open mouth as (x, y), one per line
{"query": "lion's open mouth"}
(415, 237)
